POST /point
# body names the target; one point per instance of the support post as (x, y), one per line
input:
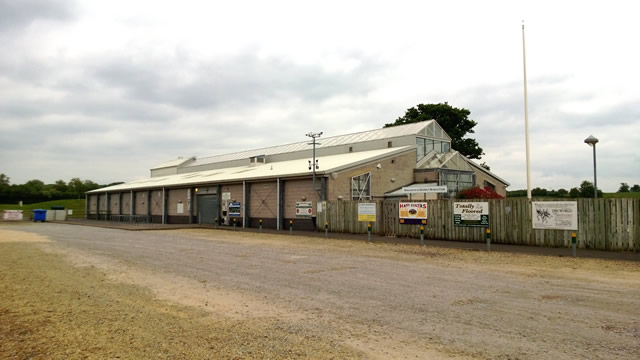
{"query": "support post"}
(132, 206)
(245, 202)
(86, 206)
(573, 244)
(260, 225)
(190, 205)
(106, 206)
(290, 227)
(421, 235)
(369, 232)
(326, 229)
(148, 206)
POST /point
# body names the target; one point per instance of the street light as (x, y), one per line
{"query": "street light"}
(592, 141)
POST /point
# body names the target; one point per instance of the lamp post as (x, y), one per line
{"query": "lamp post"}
(313, 165)
(592, 141)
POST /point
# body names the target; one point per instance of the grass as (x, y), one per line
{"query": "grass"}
(633, 195)
(77, 205)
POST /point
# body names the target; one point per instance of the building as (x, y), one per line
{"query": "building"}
(273, 185)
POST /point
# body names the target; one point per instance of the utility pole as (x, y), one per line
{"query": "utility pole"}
(314, 165)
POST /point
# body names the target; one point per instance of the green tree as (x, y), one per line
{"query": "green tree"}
(454, 121)
(635, 188)
(586, 190)
(4, 179)
(574, 192)
(624, 188)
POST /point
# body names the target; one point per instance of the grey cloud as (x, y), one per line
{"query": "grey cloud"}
(242, 80)
(20, 13)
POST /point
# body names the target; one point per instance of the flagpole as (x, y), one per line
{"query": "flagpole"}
(526, 116)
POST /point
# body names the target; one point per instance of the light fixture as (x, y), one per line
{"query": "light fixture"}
(592, 141)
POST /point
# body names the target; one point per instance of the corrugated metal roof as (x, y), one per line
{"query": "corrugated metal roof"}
(171, 163)
(377, 134)
(289, 168)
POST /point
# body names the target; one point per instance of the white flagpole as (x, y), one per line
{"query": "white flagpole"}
(526, 116)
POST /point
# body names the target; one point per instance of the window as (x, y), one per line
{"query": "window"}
(361, 187)
(455, 181)
(446, 147)
(492, 186)
(350, 148)
(420, 148)
(389, 144)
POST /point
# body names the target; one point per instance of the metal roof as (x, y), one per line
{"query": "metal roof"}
(370, 135)
(299, 167)
(171, 163)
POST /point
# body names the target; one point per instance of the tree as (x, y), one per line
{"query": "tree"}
(4, 179)
(635, 188)
(624, 188)
(574, 192)
(454, 121)
(586, 190)
(479, 193)
(485, 166)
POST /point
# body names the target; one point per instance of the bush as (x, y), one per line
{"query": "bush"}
(479, 193)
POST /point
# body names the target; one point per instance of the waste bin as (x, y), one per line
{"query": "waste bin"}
(40, 215)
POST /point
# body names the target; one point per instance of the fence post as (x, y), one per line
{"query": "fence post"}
(488, 240)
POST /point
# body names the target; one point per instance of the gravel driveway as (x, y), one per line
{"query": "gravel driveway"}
(381, 300)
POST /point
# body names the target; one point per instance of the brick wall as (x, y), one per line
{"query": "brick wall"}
(394, 173)
(263, 200)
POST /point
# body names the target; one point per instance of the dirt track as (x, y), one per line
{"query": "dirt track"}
(280, 296)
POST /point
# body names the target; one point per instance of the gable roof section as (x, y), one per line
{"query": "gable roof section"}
(429, 128)
(290, 168)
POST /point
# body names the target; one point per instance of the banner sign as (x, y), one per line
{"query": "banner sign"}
(560, 215)
(304, 209)
(471, 214)
(367, 212)
(234, 209)
(413, 213)
(12, 215)
(424, 189)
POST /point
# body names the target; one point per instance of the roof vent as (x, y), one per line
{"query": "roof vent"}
(256, 160)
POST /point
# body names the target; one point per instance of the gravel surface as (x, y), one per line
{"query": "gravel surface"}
(351, 299)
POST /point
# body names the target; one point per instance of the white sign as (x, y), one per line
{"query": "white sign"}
(367, 212)
(561, 215)
(304, 209)
(471, 214)
(424, 189)
(226, 196)
(12, 215)
(180, 209)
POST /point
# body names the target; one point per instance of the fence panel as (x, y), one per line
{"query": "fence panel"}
(605, 224)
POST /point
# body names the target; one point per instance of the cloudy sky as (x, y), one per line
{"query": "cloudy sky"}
(104, 90)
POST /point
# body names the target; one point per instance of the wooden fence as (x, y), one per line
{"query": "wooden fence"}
(604, 224)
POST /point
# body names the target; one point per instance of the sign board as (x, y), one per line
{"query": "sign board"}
(367, 212)
(304, 209)
(180, 208)
(12, 215)
(226, 196)
(471, 214)
(414, 213)
(560, 215)
(234, 209)
(424, 189)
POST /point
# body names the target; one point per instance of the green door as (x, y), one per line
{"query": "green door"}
(208, 209)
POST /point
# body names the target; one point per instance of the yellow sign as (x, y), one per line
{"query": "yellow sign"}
(367, 212)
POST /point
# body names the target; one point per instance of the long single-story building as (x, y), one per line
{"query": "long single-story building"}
(274, 185)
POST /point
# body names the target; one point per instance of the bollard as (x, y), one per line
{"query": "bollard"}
(290, 227)
(326, 229)
(488, 240)
(234, 224)
(369, 232)
(421, 235)
(216, 222)
(260, 225)
(573, 244)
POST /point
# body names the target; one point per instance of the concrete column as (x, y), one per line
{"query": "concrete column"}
(164, 205)
(245, 202)
(132, 203)
(190, 204)
(148, 206)
(119, 203)
(86, 206)
(97, 206)
(106, 206)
